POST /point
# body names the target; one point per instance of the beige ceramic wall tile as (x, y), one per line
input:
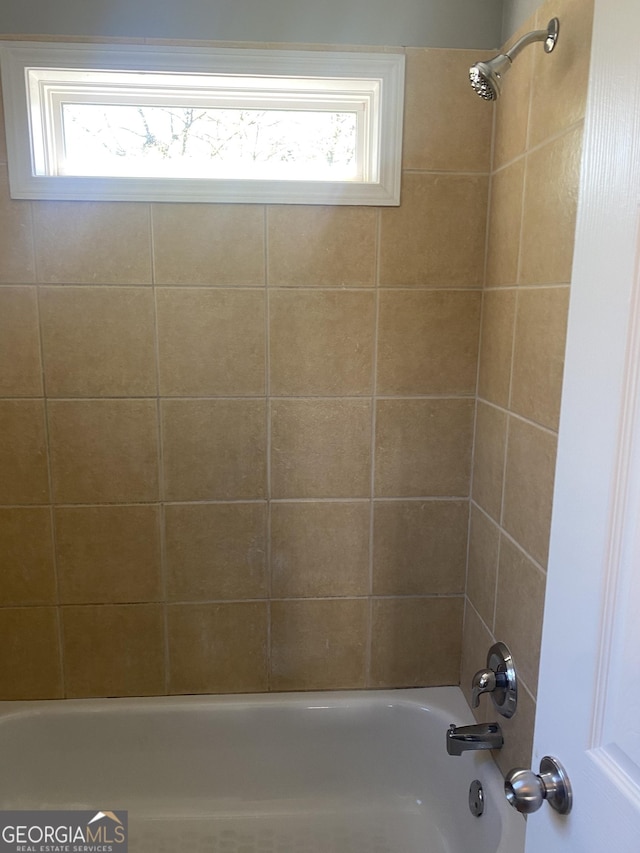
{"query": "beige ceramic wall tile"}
(30, 661)
(92, 242)
(519, 610)
(488, 458)
(216, 551)
(108, 554)
(538, 358)
(3, 141)
(512, 108)
(98, 341)
(428, 342)
(104, 451)
(560, 78)
(211, 341)
(320, 448)
(505, 218)
(550, 205)
(208, 244)
(325, 246)
(423, 447)
(214, 449)
(476, 642)
(319, 549)
(318, 645)
(446, 127)
(217, 648)
(484, 539)
(23, 453)
(518, 735)
(416, 642)
(321, 342)
(113, 650)
(26, 557)
(420, 547)
(422, 241)
(496, 345)
(528, 488)
(17, 263)
(20, 369)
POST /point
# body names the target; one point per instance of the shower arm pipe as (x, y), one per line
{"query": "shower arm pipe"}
(549, 36)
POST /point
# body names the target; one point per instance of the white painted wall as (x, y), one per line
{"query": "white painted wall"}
(429, 23)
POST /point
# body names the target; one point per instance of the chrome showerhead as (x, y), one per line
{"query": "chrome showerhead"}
(486, 77)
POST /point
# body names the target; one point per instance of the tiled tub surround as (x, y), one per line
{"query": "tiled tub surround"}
(239, 442)
(534, 187)
(236, 439)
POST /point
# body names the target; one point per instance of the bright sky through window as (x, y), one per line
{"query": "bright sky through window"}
(178, 142)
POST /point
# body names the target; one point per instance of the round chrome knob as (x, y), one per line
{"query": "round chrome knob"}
(526, 791)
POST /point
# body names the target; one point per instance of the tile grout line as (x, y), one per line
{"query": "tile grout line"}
(453, 596)
(502, 504)
(504, 534)
(291, 288)
(479, 357)
(244, 398)
(518, 417)
(508, 408)
(454, 173)
(494, 171)
(52, 515)
(267, 388)
(531, 287)
(256, 501)
(372, 447)
(160, 463)
(554, 137)
(482, 621)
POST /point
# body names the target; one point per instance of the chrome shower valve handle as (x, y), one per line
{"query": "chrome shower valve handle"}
(498, 679)
(484, 681)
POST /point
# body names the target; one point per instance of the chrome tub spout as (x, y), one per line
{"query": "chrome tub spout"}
(481, 736)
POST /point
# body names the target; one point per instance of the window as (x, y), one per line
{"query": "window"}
(132, 122)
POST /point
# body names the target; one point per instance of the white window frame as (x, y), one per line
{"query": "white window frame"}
(38, 76)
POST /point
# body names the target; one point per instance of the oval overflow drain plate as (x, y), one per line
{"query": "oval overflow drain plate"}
(476, 798)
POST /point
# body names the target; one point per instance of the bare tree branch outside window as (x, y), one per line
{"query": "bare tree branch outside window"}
(165, 140)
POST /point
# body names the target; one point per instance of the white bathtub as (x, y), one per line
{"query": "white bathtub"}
(286, 773)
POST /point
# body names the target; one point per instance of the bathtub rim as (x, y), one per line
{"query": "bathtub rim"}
(447, 701)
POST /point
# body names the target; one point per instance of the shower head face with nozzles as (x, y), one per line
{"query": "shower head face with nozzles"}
(486, 77)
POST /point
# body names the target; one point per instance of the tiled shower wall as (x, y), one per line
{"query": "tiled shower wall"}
(534, 188)
(236, 440)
